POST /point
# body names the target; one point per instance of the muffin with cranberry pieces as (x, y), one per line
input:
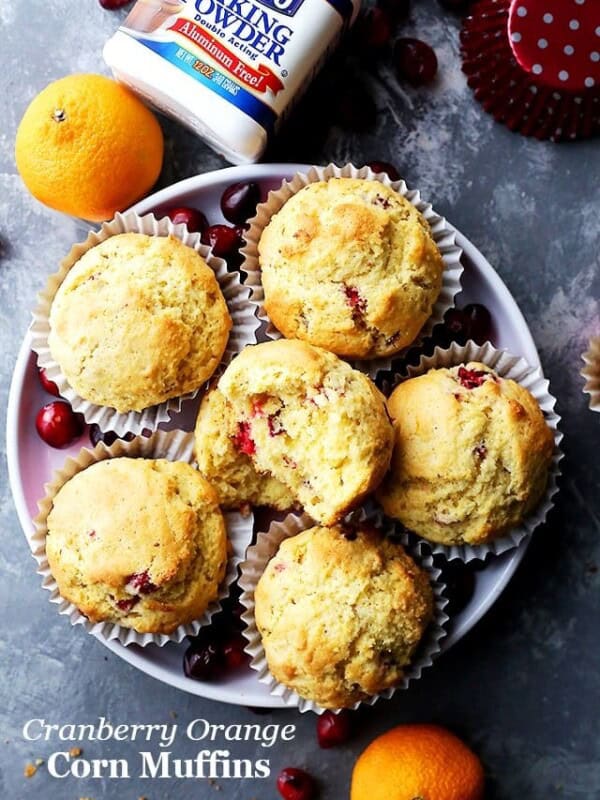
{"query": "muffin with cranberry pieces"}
(308, 419)
(138, 320)
(472, 455)
(350, 265)
(138, 542)
(341, 612)
(223, 457)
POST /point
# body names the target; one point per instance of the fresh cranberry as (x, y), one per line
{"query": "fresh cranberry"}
(224, 240)
(481, 451)
(355, 300)
(397, 9)
(479, 322)
(242, 439)
(415, 61)
(140, 582)
(112, 5)
(354, 107)
(457, 325)
(233, 652)
(194, 220)
(239, 201)
(333, 729)
(57, 424)
(471, 378)
(96, 435)
(384, 166)
(295, 784)
(374, 30)
(204, 660)
(49, 386)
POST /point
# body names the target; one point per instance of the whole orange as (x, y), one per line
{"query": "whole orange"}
(417, 762)
(87, 146)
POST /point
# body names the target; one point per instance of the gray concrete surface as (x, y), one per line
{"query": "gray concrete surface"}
(523, 688)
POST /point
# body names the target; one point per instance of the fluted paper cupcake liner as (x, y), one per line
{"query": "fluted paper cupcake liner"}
(241, 309)
(257, 558)
(442, 232)
(591, 373)
(174, 446)
(531, 378)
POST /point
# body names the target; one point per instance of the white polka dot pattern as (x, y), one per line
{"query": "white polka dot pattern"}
(557, 41)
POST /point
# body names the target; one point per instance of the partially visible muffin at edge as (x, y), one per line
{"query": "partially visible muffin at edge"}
(138, 319)
(472, 455)
(341, 612)
(221, 459)
(350, 265)
(138, 542)
(310, 420)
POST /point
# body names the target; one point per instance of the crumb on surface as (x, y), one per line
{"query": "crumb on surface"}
(30, 770)
(75, 752)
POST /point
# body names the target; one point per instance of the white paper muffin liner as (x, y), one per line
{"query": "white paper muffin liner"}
(516, 368)
(443, 234)
(591, 372)
(241, 308)
(257, 558)
(174, 446)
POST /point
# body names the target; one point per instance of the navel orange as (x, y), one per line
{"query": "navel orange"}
(87, 146)
(417, 762)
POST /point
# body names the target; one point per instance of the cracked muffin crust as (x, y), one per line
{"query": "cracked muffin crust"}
(341, 612)
(472, 455)
(227, 467)
(311, 421)
(350, 265)
(138, 542)
(138, 319)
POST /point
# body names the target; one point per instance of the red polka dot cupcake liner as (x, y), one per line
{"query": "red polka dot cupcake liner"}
(535, 65)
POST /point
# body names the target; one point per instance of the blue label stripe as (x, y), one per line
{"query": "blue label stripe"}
(184, 60)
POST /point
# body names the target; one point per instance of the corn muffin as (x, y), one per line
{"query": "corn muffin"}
(472, 455)
(311, 421)
(341, 612)
(229, 470)
(138, 542)
(138, 319)
(350, 265)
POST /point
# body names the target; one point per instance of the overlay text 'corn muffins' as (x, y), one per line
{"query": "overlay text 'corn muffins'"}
(138, 542)
(341, 612)
(138, 319)
(227, 467)
(472, 455)
(350, 265)
(311, 421)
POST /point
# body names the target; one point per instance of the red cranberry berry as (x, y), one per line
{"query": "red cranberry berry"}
(295, 784)
(242, 439)
(374, 30)
(457, 325)
(57, 424)
(233, 652)
(112, 5)
(203, 660)
(355, 300)
(126, 605)
(384, 166)
(49, 386)
(224, 240)
(140, 583)
(471, 378)
(479, 322)
(333, 729)
(415, 61)
(239, 201)
(194, 220)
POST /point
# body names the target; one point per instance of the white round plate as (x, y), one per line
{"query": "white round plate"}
(31, 463)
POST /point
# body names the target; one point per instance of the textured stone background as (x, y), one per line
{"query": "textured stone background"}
(524, 686)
